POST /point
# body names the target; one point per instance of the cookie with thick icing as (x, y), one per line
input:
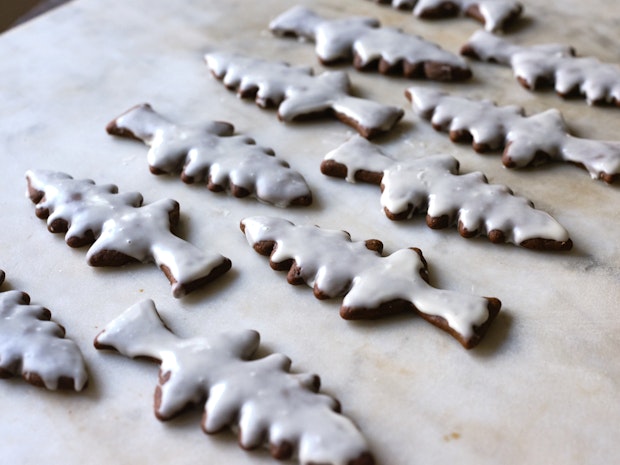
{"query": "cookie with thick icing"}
(259, 397)
(120, 229)
(35, 348)
(553, 65)
(372, 285)
(525, 140)
(370, 46)
(494, 14)
(433, 185)
(212, 153)
(299, 94)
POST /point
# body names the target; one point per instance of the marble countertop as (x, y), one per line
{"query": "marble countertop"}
(541, 388)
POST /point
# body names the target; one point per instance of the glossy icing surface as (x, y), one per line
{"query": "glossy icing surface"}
(596, 81)
(334, 265)
(120, 224)
(542, 386)
(257, 395)
(33, 346)
(211, 153)
(338, 39)
(493, 13)
(432, 184)
(297, 92)
(522, 137)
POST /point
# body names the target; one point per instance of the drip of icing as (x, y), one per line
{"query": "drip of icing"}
(119, 223)
(523, 138)
(598, 82)
(361, 37)
(35, 347)
(259, 396)
(211, 152)
(298, 93)
(335, 266)
(433, 184)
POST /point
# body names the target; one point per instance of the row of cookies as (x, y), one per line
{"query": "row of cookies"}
(194, 170)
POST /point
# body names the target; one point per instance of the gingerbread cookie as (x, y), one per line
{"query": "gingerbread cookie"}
(121, 229)
(550, 64)
(372, 285)
(369, 46)
(526, 140)
(298, 94)
(34, 347)
(494, 14)
(257, 396)
(212, 154)
(433, 185)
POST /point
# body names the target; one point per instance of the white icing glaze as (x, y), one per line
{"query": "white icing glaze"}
(297, 92)
(32, 345)
(342, 38)
(211, 152)
(433, 184)
(333, 265)
(259, 396)
(495, 13)
(393, 46)
(334, 39)
(119, 223)
(490, 47)
(523, 137)
(596, 81)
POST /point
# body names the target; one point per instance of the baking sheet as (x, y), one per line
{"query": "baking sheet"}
(542, 387)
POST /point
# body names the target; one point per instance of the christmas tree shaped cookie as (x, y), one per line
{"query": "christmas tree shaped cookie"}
(121, 229)
(494, 14)
(369, 46)
(550, 64)
(211, 153)
(299, 94)
(258, 396)
(372, 285)
(526, 140)
(432, 185)
(34, 347)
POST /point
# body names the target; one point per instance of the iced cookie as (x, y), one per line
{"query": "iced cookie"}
(211, 153)
(372, 285)
(432, 185)
(370, 46)
(550, 65)
(494, 14)
(34, 347)
(121, 229)
(526, 140)
(258, 397)
(299, 94)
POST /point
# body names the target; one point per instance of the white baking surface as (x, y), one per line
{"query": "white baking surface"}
(541, 388)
